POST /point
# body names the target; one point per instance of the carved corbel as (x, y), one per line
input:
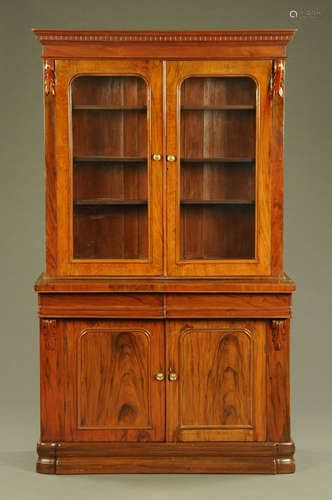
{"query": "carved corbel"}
(278, 327)
(278, 76)
(49, 77)
(48, 330)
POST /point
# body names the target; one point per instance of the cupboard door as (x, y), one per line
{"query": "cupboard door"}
(111, 390)
(218, 174)
(109, 184)
(216, 388)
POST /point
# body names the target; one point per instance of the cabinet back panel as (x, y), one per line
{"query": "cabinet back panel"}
(108, 90)
(116, 180)
(208, 232)
(105, 232)
(215, 181)
(109, 133)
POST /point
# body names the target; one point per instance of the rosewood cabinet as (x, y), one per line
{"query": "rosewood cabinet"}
(164, 309)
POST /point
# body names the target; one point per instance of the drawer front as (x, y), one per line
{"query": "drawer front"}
(228, 305)
(100, 305)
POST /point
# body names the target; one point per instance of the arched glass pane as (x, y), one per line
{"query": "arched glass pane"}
(218, 144)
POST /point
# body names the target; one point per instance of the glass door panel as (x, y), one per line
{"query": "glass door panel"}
(218, 117)
(109, 135)
(219, 157)
(110, 172)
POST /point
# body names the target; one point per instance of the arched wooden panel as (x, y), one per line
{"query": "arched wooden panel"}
(114, 379)
(111, 390)
(220, 391)
(216, 378)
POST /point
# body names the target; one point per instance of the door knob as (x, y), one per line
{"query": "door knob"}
(160, 377)
(170, 158)
(156, 157)
(172, 377)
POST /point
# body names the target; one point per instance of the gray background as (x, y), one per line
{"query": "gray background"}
(308, 181)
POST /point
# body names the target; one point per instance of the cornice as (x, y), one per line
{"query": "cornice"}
(231, 37)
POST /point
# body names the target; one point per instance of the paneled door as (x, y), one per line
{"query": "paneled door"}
(216, 381)
(113, 389)
(109, 176)
(218, 171)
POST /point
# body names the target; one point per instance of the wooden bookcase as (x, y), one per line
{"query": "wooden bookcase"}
(164, 309)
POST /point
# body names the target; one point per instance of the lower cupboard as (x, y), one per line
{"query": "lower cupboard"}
(153, 380)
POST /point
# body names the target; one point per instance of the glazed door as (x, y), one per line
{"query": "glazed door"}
(216, 387)
(218, 171)
(109, 175)
(111, 387)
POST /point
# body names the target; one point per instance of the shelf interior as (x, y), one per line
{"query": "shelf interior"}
(107, 107)
(217, 201)
(109, 159)
(225, 107)
(109, 201)
(110, 183)
(218, 160)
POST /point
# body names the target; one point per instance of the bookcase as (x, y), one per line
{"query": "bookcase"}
(164, 308)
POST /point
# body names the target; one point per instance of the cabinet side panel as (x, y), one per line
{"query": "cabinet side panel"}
(50, 184)
(277, 170)
(51, 386)
(278, 381)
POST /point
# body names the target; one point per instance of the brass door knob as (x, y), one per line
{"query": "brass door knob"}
(160, 377)
(170, 158)
(172, 377)
(156, 157)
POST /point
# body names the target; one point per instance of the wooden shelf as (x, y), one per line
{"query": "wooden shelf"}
(110, 159)
(108, 201)
(217, 202)
(217, 160)
(228, 107)
(102, 107)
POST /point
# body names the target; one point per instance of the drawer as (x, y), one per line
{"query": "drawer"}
(100, 305)
(230, 305)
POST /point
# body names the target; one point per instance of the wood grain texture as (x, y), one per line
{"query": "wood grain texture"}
(245, 44)
(217, 392)
(220, 391)
(170, 305)
(113, 379)
(277, 179)
(227, 305)
(278, 395)
(51, 381)
(85, 305)
(162, 52)
(164, 267)
(50, 184)
(247, 457)
(111, 393)
(227, 284)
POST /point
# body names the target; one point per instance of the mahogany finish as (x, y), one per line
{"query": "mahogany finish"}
(164, 310)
